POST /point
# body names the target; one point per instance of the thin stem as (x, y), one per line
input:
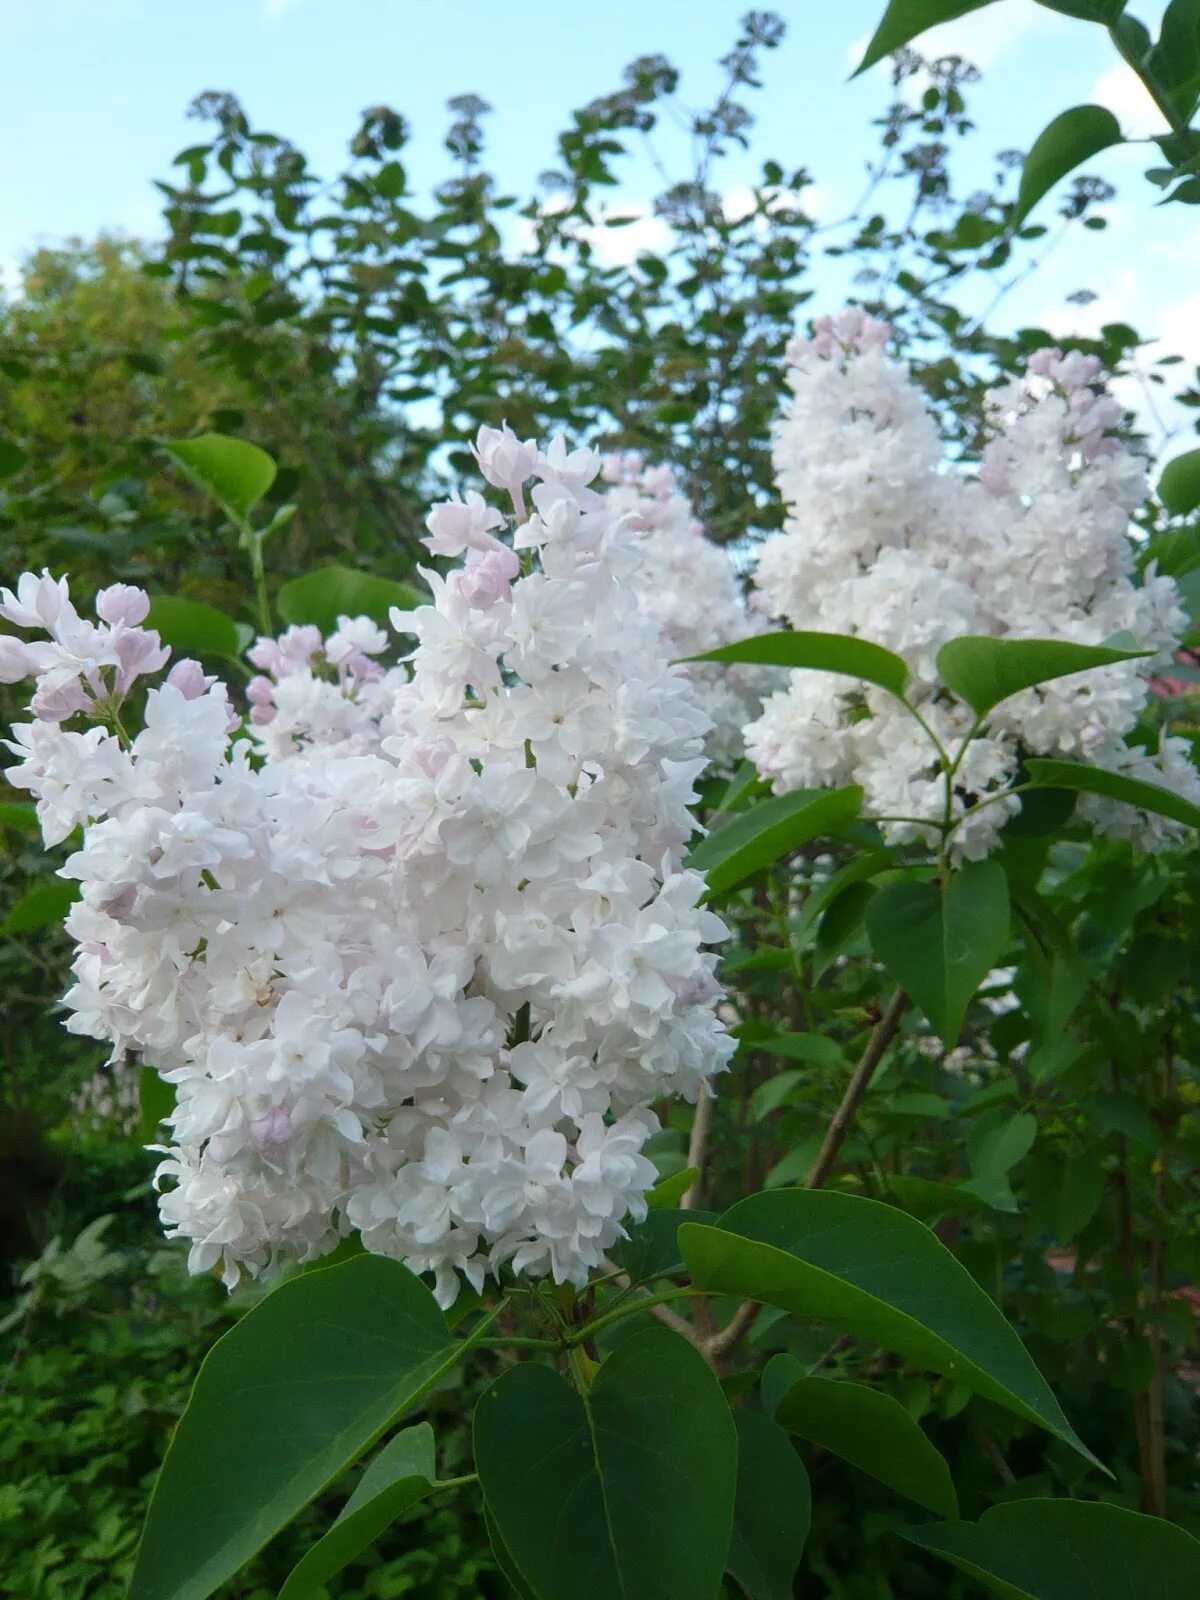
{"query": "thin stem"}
(882, 1034)
(455, 1483)
(885, 1030)
(501, 1341)
(698, 1145)
(629, 1309)
(254, 547)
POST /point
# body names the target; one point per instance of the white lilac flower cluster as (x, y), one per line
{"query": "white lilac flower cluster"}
(416, 948)
(883, 543)
(688, 586)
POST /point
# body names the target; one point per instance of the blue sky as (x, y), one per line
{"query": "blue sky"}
(96, 92)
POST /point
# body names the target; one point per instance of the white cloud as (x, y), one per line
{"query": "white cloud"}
(1123, 92)
(620, 247)
(276, 8)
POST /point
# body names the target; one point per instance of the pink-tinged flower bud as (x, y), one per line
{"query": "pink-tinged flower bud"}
(265, 653)
(55, 702)
(188, 677)
(17, 660)
(488, 579)
(505, 461)
(122, 603)
(431, 755)
(273, 1128)
(260, 716)
(139, 652)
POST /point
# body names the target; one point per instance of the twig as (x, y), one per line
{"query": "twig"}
(835, 1137)
(698, 1145)
(664, 1313)
(724, 1340)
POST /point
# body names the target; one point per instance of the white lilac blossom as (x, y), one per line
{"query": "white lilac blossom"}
(688, 586)
(416, 948)
(884, 543)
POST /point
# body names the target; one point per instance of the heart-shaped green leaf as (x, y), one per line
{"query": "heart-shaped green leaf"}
(939, 942)
(879, 1274)
(625, 1493)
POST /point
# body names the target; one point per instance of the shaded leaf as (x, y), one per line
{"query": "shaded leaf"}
(625, 1493)
(873, 1432)
(769, 830)
(283, 1403)
(46, 903)
(879, 1274)
(939, 942)
(1179, 485)
(1115, 785)
(1065, 1549)
(772, 1510)
(401, 1474)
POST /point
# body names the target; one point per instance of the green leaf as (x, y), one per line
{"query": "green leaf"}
(1073, 137)
(841, 925)
(814, 1047)
(874, 1433)
(321, 597)
(1179, 485)
(668, 1192)
(47, 902)
(504, 1558)
(625, 1493)
(192, 628)
(940, 942)
(771, 829)
(870, 1270)
(283, 1403)
(904, 20)
(12, 457)
(156, 1101)
(20, 815)
(651, 1247)
(930, 1201)
(401, 1474)
(984, 671)
(236, 474)
(995, 1147)
(772, 1510)
(1066, 1549)
(1115, 785)
(821, 652)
